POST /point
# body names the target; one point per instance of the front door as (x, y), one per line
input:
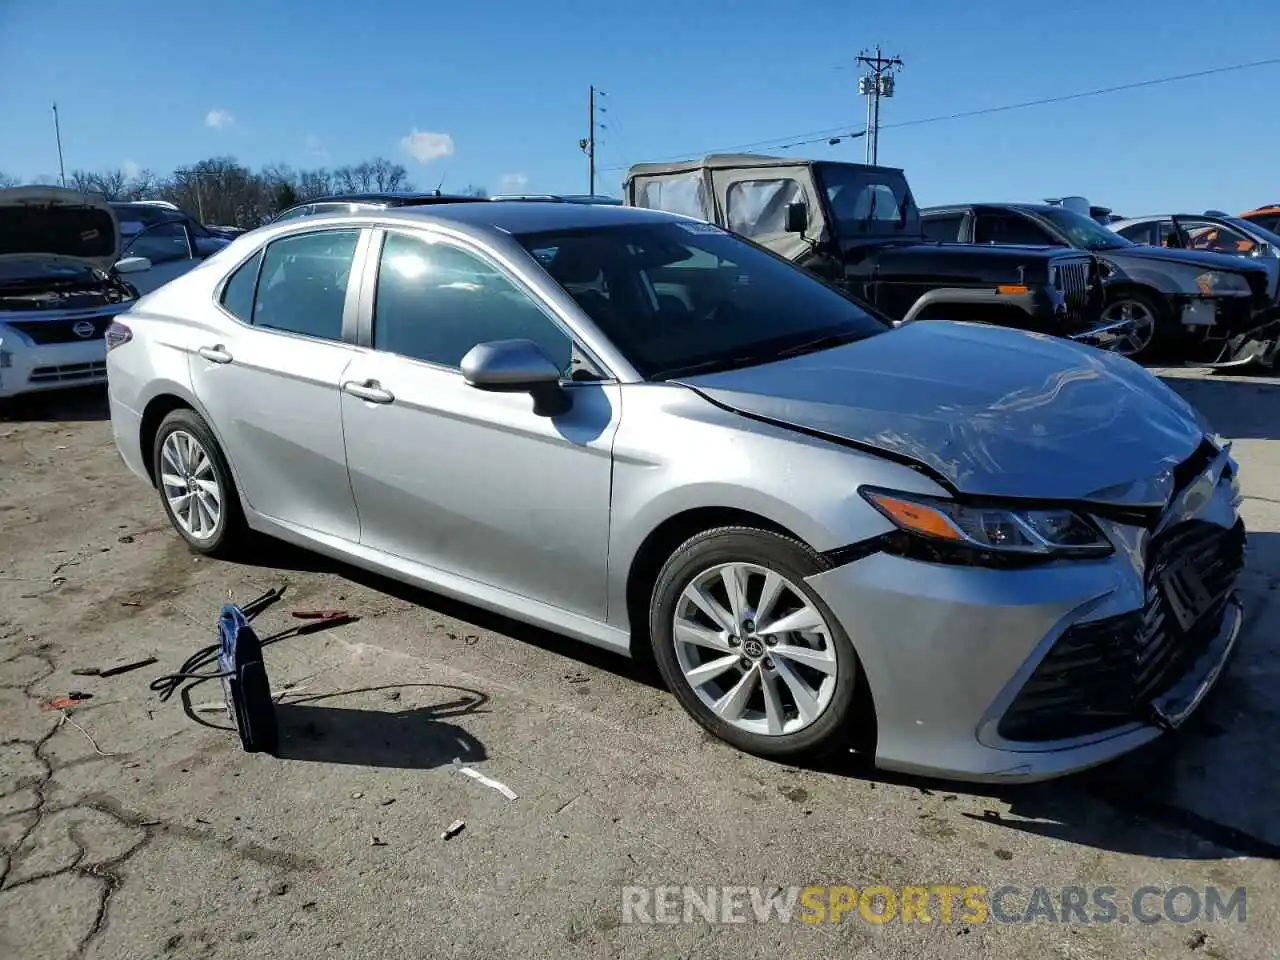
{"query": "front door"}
(270, 383)
(462, 480)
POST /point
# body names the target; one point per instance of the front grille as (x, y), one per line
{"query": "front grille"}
(1074, 278)
(45, 332)
(69, 372)
(1103, 674)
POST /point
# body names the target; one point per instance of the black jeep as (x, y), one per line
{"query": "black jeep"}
(859, 227)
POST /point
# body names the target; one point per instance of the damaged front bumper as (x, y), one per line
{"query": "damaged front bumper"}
(1021, 675)
(1258, 347)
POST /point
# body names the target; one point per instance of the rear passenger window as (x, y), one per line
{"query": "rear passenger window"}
(237, 295)
(945, 228)
(434, 302)
(303, 284)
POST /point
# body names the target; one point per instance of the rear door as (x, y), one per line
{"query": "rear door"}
(270, 384)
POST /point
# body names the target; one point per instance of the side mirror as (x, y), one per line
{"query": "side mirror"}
(797, 217)
(132, 265)
(517, 366)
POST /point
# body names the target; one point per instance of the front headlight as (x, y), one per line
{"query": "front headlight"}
(1217, 283)
(1042, 533)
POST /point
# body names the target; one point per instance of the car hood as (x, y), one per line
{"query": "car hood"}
(49, 222)
(994, 412)
(1201, 258)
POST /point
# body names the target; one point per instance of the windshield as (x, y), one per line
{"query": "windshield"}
(45, 270)
(1257, 230)
(683, 297)
(865, 201)
(1082, 232)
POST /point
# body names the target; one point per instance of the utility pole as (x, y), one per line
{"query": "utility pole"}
(588, 143)
(874, 85)
(57, 132)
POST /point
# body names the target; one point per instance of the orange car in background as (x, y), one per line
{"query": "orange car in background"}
(1267, 217)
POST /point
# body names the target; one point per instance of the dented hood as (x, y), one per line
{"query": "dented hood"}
(41, 221)
(995, 412)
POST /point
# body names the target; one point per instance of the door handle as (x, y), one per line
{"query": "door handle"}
(216, 354)
(369, 390)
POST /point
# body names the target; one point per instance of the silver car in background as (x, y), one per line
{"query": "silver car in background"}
(979, 553)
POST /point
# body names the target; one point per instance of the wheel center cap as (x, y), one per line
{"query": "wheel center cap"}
(753, 648)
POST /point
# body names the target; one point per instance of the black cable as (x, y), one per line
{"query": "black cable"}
(168, 684)
(817, 136)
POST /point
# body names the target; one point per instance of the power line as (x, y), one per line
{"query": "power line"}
(816, 136)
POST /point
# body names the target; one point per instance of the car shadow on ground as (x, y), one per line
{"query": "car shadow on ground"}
(1242, 408)
(279, 555)
(79, 405)
(1129, 806)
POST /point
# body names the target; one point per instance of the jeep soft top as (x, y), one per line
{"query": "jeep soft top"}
(858, 226)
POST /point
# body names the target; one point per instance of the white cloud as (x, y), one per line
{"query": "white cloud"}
(218, 119)
(315, 148)
(424, 146)
(131, 169)
(513, 183)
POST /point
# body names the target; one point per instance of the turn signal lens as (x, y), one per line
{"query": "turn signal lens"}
(915, 517)
(1012, 289)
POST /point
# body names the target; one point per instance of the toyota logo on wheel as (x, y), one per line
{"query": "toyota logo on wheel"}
(84, 329)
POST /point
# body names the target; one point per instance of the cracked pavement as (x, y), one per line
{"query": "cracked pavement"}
(128, 829)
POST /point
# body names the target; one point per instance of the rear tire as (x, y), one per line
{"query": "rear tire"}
(196, 486)
(771, 671)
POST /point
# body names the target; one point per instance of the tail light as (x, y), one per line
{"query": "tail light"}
(118, 335)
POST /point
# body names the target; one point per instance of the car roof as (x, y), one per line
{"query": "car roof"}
(531, 216)
(730, 161)
(389, 197)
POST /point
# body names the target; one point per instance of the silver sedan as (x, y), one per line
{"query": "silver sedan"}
(970, 551)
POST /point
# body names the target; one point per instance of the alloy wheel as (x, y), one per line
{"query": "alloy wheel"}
(754, 649)
(1140, 329)
(190, 485)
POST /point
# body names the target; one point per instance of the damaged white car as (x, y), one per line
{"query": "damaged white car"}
(61, 285)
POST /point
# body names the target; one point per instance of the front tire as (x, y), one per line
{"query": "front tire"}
(748, 647)
(196, 486)
(1154, 327)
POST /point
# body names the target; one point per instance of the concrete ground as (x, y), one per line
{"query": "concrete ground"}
(129, 830)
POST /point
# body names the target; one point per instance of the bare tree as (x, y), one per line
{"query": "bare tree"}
(85, 181)
(471, 190)
(143, 184)
(386, 175)
(315, 183)
(220, 190)
(111, 183)
(7, 181)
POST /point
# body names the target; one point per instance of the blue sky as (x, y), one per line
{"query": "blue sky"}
(495, 93)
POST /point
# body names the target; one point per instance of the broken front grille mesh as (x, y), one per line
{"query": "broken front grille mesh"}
(1105, 673)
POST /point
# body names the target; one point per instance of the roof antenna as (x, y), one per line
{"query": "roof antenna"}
(440, 185)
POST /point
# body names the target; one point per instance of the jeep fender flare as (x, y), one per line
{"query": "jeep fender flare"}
(963, 296)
